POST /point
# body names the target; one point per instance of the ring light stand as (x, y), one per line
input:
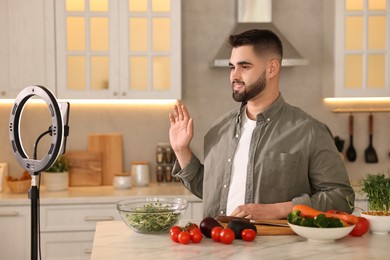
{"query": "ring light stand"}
(58, 131)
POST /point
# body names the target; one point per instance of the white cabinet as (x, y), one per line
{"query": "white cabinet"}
(15, 229)
(118, 49)
(106, 49)
(67, 231)
(26, 45)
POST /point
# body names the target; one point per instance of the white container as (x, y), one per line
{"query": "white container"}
(122, 182)
(379, 225)
(56, 181)
(140, 172)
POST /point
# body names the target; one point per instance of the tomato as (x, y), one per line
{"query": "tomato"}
(227, 236)
(196, 235)
(361, 227)
(189, 226)
(184, 237)
(175, 228)
(174, 235)
(216, 233)
(248, 234)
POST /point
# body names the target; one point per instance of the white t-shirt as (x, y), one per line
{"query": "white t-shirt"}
(237, 188)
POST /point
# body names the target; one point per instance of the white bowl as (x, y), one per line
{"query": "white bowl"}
(378, 224)
(321, 234)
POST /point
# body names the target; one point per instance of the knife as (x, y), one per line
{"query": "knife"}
(226, 219)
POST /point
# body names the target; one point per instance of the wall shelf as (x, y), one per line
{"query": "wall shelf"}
(360, 110)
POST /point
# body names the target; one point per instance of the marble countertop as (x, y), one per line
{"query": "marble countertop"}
(114, 240)
(101, 194)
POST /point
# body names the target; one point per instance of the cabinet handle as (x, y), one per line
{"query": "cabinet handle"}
(9, 214)
(98, 218)
(87, 251)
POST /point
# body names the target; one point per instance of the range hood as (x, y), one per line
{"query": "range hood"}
(257, 14)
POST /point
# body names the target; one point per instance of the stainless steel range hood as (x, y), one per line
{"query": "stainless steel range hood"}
(257, 14)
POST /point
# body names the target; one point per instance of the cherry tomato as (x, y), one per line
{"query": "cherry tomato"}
(227, 236)
(175, 235)
(184, 237)
(175, 228)
(248, 234)
(196, 235)
(216, 233)
(361, 227)
(189, 226)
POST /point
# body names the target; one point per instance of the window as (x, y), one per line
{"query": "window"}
(362, 45)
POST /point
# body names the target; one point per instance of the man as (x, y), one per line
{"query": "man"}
(265, 157)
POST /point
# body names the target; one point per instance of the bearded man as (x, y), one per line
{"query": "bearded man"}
(265, 156)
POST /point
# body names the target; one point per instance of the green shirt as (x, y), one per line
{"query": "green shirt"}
(292, 157)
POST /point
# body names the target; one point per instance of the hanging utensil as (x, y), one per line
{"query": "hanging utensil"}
(370, 154)
(351, 152)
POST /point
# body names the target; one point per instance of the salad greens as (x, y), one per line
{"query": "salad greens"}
(152, 217)
(320, 221)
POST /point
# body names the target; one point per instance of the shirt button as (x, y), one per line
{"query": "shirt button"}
(268, 119)
(225, 186)
(237, 136)
(222, 212)
(229, 160)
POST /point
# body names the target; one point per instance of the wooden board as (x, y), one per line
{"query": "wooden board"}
(110, 145)
(266, 230)
(85, 168)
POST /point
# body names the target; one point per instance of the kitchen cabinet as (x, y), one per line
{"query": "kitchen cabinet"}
(92, 49)
(358, 44)
(15, 231)
(26, 45)
(118, 49)
(67, 230)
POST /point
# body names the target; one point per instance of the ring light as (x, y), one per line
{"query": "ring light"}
(57, 128)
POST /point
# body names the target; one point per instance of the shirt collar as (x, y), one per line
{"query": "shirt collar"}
(268, 115)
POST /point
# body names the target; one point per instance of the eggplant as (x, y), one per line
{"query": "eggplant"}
(238, 226)
(207, 224)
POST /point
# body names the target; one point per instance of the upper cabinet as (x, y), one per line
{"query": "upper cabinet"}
(92, 48)
(361, 38)
(118, 49)
(26, 45)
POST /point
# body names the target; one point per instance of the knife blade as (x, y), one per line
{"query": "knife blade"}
(226, 219)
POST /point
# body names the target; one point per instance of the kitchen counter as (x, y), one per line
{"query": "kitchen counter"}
(103, 194)
(114, 240)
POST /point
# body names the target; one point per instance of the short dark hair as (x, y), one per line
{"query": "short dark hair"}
(263, 41)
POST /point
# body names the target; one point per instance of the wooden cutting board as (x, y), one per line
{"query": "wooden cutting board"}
(110, 145)
(266, 230)
(85, 168)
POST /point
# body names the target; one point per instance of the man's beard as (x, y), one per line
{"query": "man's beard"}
(250, 91)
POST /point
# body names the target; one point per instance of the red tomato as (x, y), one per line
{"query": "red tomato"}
(175, 228)
(248, 234)
(184, 237)
(174, 233)
(227, 236)
(216, 233)
(196, 235)
(189, 226)
(361, 227)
